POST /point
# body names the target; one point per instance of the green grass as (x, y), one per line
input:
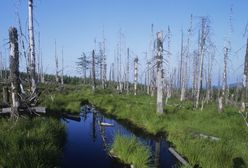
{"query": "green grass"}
(180, 123)
(130, 151)
(31, 143)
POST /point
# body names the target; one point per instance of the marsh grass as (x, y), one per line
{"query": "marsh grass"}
(31, 143)
(130, 151)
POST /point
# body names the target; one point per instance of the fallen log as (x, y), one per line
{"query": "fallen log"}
(72, 117)
(106, 124)
(5, 110)
(178, 156)
(30, 109)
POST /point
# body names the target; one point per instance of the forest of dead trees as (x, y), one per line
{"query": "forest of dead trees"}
(191, 80)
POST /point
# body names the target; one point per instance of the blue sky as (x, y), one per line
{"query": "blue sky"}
(76, 23)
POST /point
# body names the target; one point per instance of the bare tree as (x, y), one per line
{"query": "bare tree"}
(93, 71)
(242, 110)
(56, 63)
(127, 71)
(203, 36)
(183, 70)
(135, 75)
(159, 58)
(31, 46)
(62, 68)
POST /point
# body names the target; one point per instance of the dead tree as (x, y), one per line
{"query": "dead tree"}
(159, 59)
(152, 70)
(203, 37)
(104, 64)
(56, 63)
(245, 81)
(14, 72)
(1, 66)
(169, 82)
(83, 66)
(38, 60)
(242, 110)
(148, 77)
(93, 71)
(31, 46)
(62, 68)
(183, 70)
(127, 75)
(209, 75)
(135, 75)
(224, 92)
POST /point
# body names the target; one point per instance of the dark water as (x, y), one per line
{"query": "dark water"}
(87, 143)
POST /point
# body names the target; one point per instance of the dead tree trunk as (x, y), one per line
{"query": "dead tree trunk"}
(62, 70)
(135, 75)
(204, 33)
(159, 80)
(31, 46)
(1, 66)
(14, 72)
(183, 70)
(127, 77)
(245, 81)
(223, 96)
(148, 78)
(56, 64)
(93, 71)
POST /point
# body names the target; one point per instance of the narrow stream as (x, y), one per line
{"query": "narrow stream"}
(87, 142)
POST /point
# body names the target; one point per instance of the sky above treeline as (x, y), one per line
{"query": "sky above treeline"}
(76, 24)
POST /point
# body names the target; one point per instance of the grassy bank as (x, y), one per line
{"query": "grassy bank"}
(31, 143)
(181, 123)
(130, 151)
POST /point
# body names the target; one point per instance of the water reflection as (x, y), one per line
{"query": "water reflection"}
(94, 127)
(157, 154)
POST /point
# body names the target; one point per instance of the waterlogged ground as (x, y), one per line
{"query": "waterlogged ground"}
(87, 143)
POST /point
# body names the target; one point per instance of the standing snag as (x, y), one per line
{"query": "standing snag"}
(14, 72)
(159, 80)
(135, 75)
(31, 59)
(93, 71)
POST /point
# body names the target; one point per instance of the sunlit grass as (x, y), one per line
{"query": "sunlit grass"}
(31, 143)
(130, 151)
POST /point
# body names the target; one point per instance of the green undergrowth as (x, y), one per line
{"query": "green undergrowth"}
(181, 123)
(31, 143)
(130, 151)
